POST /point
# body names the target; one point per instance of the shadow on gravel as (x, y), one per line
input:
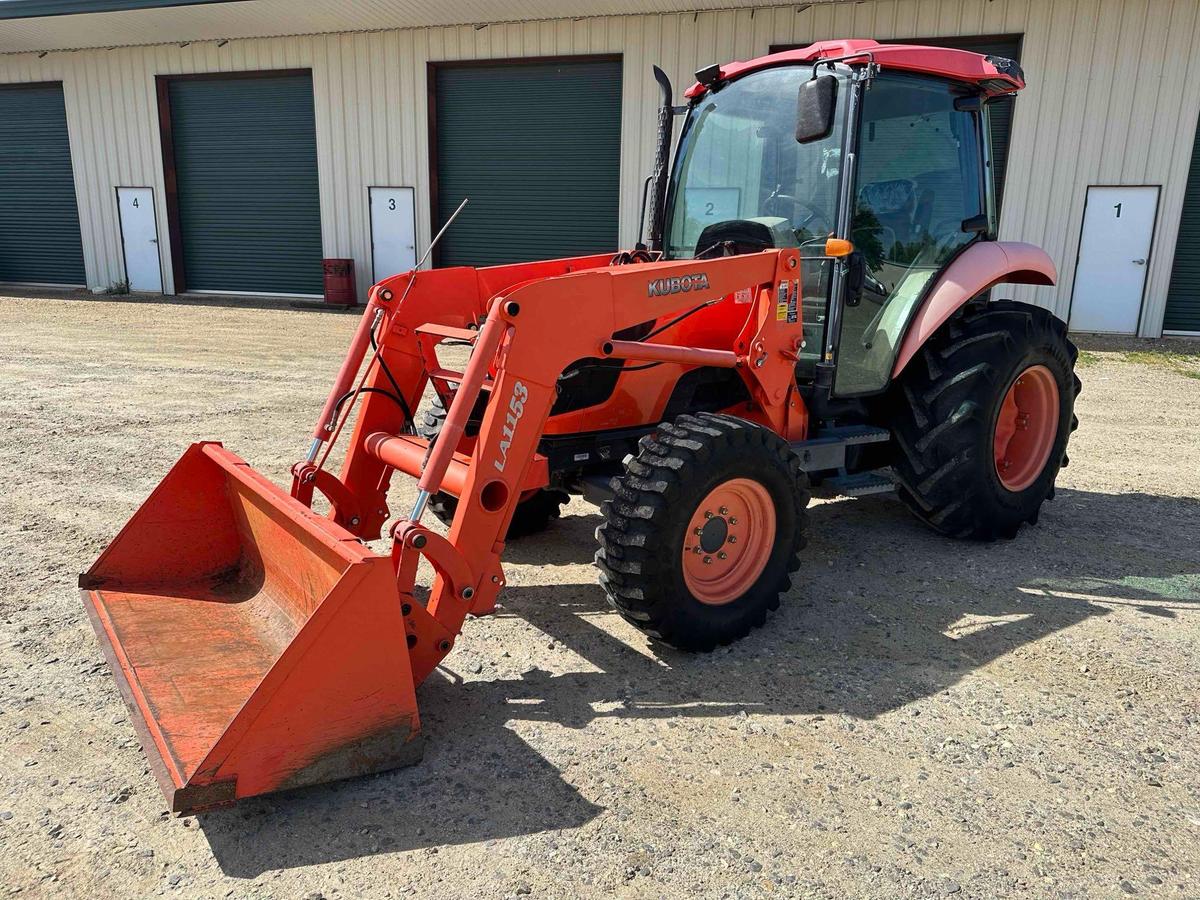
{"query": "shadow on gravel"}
(478, 782)
(570, 541)
(882, 613)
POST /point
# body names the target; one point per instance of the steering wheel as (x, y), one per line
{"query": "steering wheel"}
(811, 219)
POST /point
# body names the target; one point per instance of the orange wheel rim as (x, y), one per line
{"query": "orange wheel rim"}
(1026, 428)
(728, 541)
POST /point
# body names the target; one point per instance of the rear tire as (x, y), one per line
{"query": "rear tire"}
(681, 576)
(965, 467)
(532, 515)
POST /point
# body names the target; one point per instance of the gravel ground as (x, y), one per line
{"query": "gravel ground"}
(922, 718)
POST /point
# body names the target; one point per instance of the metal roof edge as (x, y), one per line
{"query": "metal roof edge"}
(136, 5)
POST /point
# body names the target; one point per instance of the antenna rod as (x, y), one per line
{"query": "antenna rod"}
(364, 334)
(423, 496)
(437, 237)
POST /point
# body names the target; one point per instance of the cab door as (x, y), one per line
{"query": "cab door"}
(919, 200)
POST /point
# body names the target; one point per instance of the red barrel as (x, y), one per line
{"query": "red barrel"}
(339, 282)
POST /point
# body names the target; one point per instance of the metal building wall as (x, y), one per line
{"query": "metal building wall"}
(1114, 99)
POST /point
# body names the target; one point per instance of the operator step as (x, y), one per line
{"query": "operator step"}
(827, 451)
(861, 484)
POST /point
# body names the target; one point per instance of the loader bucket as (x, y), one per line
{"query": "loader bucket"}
(258, 645)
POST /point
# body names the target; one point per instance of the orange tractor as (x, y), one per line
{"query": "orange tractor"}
(811, 306)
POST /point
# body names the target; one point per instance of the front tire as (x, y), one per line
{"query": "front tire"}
(981, 419)
(706, 526)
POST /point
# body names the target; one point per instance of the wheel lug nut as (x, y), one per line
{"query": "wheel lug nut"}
(708, 560)
(697, 551)
(723, 510)
(733, 520)
(708, 514)
(722, 556)
(733, 539)
(697, 530)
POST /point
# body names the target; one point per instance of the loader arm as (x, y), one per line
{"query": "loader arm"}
(454, 298)
(532, 331)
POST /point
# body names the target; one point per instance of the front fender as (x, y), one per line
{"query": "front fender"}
(981, 266)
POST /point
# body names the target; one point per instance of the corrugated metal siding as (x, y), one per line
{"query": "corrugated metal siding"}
(1183, 299)
(246, 169)
(537, 149)
(1114, 97)
(39, 218)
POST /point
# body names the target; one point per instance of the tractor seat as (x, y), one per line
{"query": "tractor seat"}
(892, 203)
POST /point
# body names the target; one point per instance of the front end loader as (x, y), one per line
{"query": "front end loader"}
(809, 310)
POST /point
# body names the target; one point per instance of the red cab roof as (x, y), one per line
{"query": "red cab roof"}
(959, 65)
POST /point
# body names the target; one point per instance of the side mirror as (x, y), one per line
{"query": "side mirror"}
(979, 224)
(815, 109)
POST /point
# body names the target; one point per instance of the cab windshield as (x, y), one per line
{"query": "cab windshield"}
(740, 161)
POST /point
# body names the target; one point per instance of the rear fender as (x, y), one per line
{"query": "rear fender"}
(979, 267)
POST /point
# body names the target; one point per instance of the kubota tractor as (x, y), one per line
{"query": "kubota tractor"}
(812, 306)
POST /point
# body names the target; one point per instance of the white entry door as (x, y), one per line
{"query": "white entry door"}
(139, 232)
(1114, 257)
(393, 231)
